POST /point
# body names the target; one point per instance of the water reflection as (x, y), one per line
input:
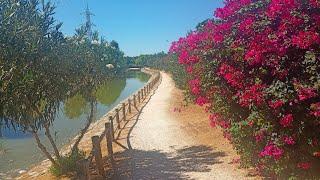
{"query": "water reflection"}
(10, 134)
(139, 75)
(108, 92)
(75, 106)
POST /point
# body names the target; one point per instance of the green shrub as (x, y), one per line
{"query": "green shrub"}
(67, 163)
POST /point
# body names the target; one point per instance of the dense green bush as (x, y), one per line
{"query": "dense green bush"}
(67, 163)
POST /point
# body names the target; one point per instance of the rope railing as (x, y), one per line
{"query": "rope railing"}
(113, 125)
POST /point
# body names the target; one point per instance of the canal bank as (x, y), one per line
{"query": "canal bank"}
(40, 171)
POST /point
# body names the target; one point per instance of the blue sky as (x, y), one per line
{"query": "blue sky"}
(139, 26)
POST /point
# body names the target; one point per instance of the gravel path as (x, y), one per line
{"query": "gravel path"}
(164, 143)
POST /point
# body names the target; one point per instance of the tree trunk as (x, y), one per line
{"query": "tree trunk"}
(53, 144)
(43, 148)
(84, 130)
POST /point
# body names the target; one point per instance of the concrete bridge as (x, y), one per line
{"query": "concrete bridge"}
(134, 68)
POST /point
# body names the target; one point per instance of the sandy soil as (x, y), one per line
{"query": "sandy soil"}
(163, 139)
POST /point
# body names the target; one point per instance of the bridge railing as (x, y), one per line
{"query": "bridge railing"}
(115, 123)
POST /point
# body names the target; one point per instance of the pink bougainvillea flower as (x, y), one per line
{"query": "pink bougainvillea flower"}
(272, 150)
(304, 165)
(252, 95)
(315, 3)
(195, 90)
(276, 104)
(287, 120)
(201, 100)
(246, 24)
(305, 39)
(218, 37)
(254, 56)
(231, 75)
(278, 7)
(193, 59)
(214, 119)
(288, 140)
(224, 124)
(306, 93)
(223, 27)
(183, 57)
(227, 135)
(189, 69)
(195, 86)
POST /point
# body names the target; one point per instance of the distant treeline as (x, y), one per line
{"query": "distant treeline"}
(161, 61)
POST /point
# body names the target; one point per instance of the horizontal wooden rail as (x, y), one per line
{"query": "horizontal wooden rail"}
(112, 126)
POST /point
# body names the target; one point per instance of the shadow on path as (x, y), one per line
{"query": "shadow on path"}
(154, 164)
(138, 164)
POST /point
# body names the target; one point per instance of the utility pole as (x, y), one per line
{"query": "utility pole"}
(88, 23)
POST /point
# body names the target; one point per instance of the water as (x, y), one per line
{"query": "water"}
(18, 150)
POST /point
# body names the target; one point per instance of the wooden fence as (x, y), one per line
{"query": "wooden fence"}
(112, 126)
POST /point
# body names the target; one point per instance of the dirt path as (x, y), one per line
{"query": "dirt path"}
(164, 143)
(162, 139)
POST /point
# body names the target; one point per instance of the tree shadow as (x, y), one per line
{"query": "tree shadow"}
(139, 164)
(154, 164)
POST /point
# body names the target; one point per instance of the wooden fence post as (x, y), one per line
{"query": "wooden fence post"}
(117, 118)
(84, 172)
(139, 96)
(109, 142)
(134, 101)
(124, 111)
(97, 154)
(129, 105)
(111, 127)
(141, 90)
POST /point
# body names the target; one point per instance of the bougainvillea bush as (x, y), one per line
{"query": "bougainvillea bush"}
(256, 68)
